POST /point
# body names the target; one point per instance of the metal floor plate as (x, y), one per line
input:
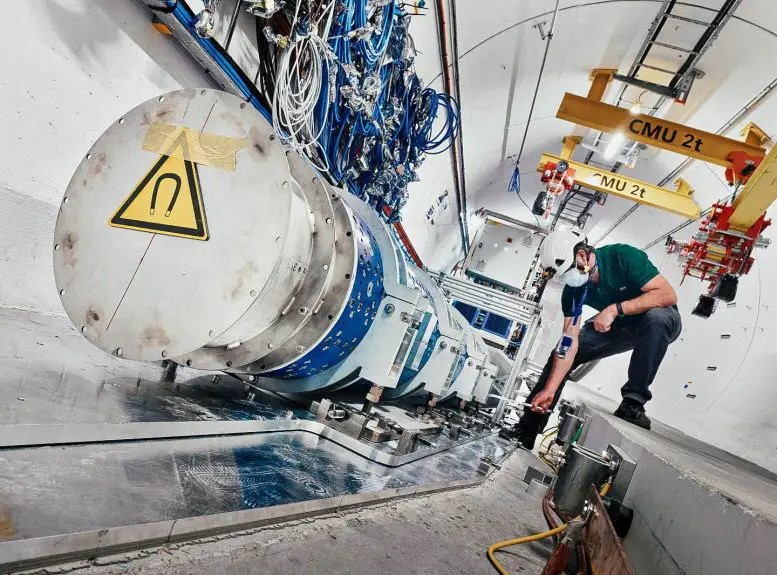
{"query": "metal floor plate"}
(57, 490)
(49, 375)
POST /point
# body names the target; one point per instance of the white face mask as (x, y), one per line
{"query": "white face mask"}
(575, 278)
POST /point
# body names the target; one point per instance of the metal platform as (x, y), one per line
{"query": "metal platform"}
(97, 452)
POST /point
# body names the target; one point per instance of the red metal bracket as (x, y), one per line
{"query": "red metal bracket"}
(742, 168)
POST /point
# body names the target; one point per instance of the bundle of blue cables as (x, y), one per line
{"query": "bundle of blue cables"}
(377, 121)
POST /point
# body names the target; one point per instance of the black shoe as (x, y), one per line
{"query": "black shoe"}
(633, 412)
(524, 437)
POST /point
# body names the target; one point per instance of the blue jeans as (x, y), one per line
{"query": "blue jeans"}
(648, 335)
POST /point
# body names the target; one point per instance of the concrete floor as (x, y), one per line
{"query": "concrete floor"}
(442, 533)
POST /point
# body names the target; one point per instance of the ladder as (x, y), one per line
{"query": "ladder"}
(576, 206)
(708, 33)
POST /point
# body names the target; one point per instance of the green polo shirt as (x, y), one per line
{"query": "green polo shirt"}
(623, 271)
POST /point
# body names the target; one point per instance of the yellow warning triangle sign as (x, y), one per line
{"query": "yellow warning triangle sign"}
(168, 199)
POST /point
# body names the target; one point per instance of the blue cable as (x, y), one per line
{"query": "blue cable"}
(375, 154)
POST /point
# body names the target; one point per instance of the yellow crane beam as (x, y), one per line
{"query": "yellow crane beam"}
(653, 131)
(678, 202)
(757, 195)
(600, 81)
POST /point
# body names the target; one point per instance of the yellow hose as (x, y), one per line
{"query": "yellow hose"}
(528, 539)
(553, 430)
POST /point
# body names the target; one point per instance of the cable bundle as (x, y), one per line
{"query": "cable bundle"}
(344, 92)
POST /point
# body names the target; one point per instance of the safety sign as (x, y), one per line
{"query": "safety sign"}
(168, 199)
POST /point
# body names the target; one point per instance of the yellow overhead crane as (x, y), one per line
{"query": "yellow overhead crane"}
(757, 195)
(722, 250)
(678, 202)
(657, 132)
(740, 158)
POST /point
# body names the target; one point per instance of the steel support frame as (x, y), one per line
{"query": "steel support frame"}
(510, 306)
(518, 309)
(511, 385)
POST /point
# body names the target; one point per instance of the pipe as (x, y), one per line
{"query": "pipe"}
(539, 80)
(460, 136)
(555, 530)
(403, 237)
(442, 33)
(232, 24)
(547, 511)
(511, 97)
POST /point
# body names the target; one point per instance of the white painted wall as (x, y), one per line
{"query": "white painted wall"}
(69, 69)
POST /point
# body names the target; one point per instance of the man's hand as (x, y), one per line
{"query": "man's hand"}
(543, 400)
(603, 320)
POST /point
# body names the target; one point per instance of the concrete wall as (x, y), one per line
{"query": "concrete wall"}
(697, 511)
(70, 68)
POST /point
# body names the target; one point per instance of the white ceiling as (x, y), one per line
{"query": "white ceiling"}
(589, 34)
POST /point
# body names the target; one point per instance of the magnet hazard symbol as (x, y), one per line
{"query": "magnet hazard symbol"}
(168, 199)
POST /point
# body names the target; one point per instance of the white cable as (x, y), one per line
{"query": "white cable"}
(298, 86)
(299, 80)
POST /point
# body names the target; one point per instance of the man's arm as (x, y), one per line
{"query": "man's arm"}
(544, 399)
(656, 293)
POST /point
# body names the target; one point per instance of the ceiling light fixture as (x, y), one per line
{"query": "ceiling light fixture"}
(636, 107)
